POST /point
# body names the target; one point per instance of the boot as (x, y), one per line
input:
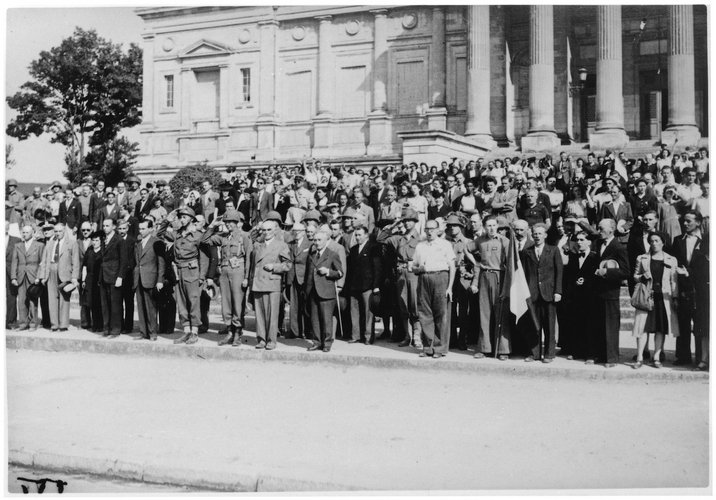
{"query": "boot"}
(229, 336)
(417, 335)
(185, 337)
(237, 337)
(194, 337)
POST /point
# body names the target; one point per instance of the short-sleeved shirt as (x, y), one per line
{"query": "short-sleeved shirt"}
(493, 252)
(436, 255)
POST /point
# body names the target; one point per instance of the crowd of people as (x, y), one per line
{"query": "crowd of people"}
(424, 249)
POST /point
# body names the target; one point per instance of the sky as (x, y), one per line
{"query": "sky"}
(37, 160)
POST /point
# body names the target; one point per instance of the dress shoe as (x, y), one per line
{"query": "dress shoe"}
(139, 337)
(237, 340)
(54, 329)
(353, 341)
(702, 367)
(610, 365)
(479, 355)
(153, 338)
(422, 354)
(589, 362)
(113, 336)
(193, 338)
(271, 346)
(547, 360)
(64, 329)
(33, 328)
(314, 347)
(657, 364)
(503, 357)
(261, 345)
(418, 346)
(529, 359)
(437, 355)
(326, 349)
(23, 328)
(228, 337)
(404, 343)
(570, 358)
(203, 329)
(183, 338)
(637, 365)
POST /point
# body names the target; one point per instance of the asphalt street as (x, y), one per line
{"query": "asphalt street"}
(365, 427)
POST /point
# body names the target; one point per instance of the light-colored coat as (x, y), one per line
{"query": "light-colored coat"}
(276, 253)
(68, 265)
(26, 263)
(669, 287)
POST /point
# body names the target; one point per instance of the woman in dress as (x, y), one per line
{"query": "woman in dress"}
(158, 211)
(419, 203)
(669, 215)
(659, 269)
(195, 203)
(91, 274)
(576, 206)
(403, 194)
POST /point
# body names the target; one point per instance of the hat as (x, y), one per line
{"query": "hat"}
(34, 291)
(331, 205)
(67, 286)
(161, 183)
(133, 178)
(377, 305)
(186, 211)
(233, 216)
(47, 225)
(312, 215)
(56, 183)
(273, 215)
(209, 290)
(225, 186)
(409, 214)
(350, 213)
(454, 220)
(609, 264)
(12, 182)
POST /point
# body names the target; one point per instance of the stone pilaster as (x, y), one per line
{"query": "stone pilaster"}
(223, 96)
(266, 122)
(379, 141)
(187, 86)
(477, 127)
(609, 130)
(499, 75)
(681, 125)
(323, 122)
(541, 135)
(148, 79)
(437, 114)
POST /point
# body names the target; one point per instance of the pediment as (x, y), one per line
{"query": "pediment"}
(204, 48)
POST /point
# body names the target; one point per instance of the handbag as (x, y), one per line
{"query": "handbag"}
(643, 297)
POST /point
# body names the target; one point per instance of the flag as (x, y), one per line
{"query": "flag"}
(620, 168)
(514, 287)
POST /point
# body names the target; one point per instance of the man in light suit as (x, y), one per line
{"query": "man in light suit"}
(361, 209)
(25, 271)
(10, 290)
(295, 277)
(619, 210)
(60, 266)
(543, 270)
(261, 203)
(322, 270)
(208, 201)
(270, 259)
(148, 275)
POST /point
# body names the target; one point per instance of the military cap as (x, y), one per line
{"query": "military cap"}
(133, 178)
(312, 215)
(233, 216)
(161, 183)
(47, 226)
(186, 211)
(454, 220)
(273, 215)
(409, 214)
(56, 183)
(350, 213)
(331, 205)
(225, 186)
(12, 182)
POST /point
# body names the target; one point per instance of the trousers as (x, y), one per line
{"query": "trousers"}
(111, 300)
(266, 305)
(407, 295)
(434, 311)
(26, 307)
(361, 317)
(488, 295)
(146, 311)
(232, 295)
(321, 311)
(58, 300)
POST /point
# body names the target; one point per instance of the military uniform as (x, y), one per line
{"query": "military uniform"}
(234, 263)
(464, 278)
(492, 264)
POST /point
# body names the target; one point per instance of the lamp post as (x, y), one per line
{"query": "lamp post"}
(576, 88)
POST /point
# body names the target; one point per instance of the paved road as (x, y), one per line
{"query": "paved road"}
(367, 427)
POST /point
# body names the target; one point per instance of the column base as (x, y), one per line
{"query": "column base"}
(437, 118)
(681, 136)
(604, 139)
(540, 142)
(380, 131)
(323, 133)
(435, 146)
(482, 140)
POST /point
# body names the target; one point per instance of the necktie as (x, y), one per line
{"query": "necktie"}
(56, 257)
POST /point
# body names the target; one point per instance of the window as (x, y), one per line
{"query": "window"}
(169, 91)
(246, 85)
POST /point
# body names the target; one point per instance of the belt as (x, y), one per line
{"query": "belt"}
(188, 263)
(435, 272)
(401, 266)
(491, 270)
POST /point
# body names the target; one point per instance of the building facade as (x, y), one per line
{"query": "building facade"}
(243, 86)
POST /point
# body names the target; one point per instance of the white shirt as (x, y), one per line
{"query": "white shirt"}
(538, 250)
(605, 245)
(145, 240)
(691, 240)
(434, 255)
(28, 244)
(361, 246)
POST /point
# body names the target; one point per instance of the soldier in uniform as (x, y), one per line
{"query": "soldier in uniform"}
(208, 260)
(189, 274)
(464, 265)
(235, 261)
(134, 194)
(403, 246)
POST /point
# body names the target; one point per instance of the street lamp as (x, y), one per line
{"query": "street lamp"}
(575, 89)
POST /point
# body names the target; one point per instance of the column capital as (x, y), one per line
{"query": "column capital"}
(268, 22)
(324, 19)
(379, 12)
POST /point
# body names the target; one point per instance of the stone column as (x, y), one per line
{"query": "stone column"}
(266, 122)
(500, 109)
(187, 86)
(223, 95)
(477, 127)
(323, 122)
(609, 130)
(379, 123)
(682, 97)
(148, 88)
(541, 135)
(437, 114)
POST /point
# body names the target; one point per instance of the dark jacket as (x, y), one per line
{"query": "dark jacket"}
(324, 285)
(299, 258)
(544, 277)
(114, 260)
(71, 216)
(364, 268)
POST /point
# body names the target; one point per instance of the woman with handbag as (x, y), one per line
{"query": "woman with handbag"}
(655, 270)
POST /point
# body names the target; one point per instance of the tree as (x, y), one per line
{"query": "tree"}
(82, 94)
(111, 161)
(193, 176)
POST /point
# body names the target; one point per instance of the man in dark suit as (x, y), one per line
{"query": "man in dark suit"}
(378, 196)
(70, 210)
(10, 289)
(110, 210)
(363, 278)
(261, 203)
(83, 244)
(610, 275)
(148, 276)
(127, 286)
(143, 205)
(114, 270)
(543, 270)
(576, 330)
(295, 280)
(322, 270)
(97, 201)
(618, 210)
(687, 248)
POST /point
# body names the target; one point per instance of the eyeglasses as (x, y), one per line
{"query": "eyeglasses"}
(86, 230)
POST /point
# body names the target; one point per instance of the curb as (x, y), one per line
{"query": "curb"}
(216, 479)
(14, 341)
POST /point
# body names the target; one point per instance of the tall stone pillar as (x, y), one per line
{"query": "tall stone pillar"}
(541, 135)
(379, 141)
(323, 122)
(223, 95)
(187, 86)
(266, 121)
(437, 113)
(477, 127)
(681, 125)
(148, 79)
(609, 130)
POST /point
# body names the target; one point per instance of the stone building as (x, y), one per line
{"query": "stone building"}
(242, 86)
